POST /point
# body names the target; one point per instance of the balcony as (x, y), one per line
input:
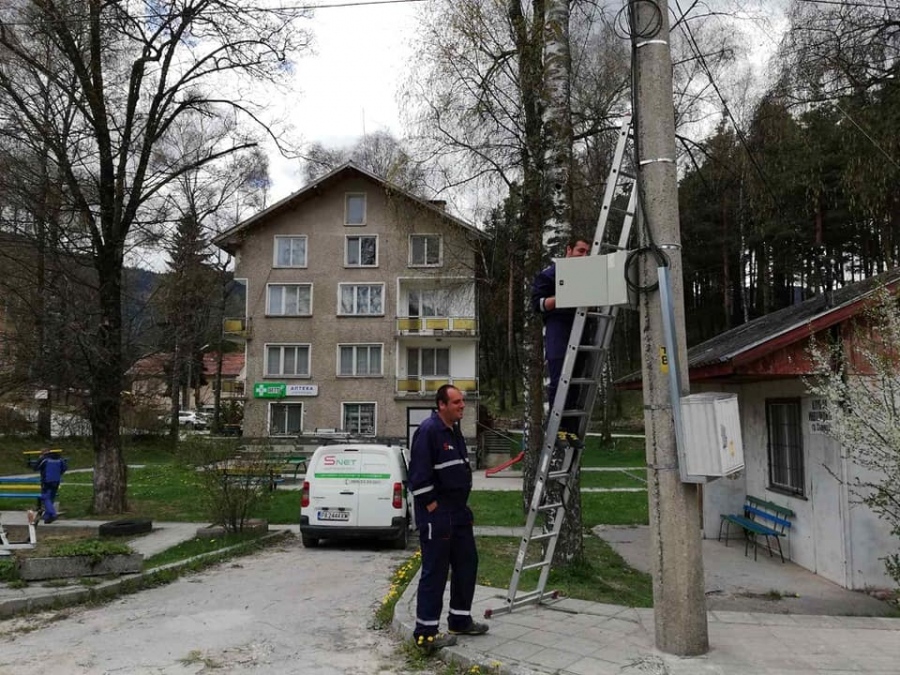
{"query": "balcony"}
(232, 389)
(412, 387)
(446, 326)
(236, 328)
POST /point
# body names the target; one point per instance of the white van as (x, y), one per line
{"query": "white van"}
(355, 490)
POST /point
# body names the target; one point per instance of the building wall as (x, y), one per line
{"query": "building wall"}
(830, 535)
(321, 219)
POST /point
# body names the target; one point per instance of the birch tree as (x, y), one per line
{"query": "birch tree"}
(120, 75)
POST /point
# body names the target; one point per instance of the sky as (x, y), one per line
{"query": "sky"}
(349, 86)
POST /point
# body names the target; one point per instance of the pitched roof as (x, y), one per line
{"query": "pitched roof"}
(768, 333)
(230, 239)
(722, 355)
(154, 365)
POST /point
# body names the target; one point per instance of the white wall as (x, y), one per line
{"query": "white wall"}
(832, 535)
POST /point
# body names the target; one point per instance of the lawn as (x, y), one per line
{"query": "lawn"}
(494, 507)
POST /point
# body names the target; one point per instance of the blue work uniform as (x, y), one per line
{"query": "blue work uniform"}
(439, 471)
(557, 327)
(52, 468)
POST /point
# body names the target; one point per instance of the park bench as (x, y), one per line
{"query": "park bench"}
(760, 518)
(19, 488)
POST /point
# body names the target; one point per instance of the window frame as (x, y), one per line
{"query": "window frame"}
(346, 427)
(372, 284)
(278, 237)
(785, 456)
(425, 263)
(269, 287)
(355, 346)
(347, 238)
(365, 209)
(284, 404)
(419, 375)
(282, 346)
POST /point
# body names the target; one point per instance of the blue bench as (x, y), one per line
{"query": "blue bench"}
(20, 488)
(760, 518)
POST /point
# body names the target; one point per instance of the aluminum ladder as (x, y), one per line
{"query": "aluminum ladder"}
(588, 346)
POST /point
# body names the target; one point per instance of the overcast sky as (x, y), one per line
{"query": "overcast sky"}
(348, 87)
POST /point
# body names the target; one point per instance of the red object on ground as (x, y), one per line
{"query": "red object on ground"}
(505, 465)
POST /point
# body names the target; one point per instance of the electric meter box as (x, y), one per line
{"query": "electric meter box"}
(712, 444)
(593, 281)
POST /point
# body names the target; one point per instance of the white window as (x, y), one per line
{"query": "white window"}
(424, 250)
(289, 300)
(290, 251)
(358, 418)
(428, 362)
(361, 299)
(285, 419)
(355, 209)
(361, 251)
(359, 360)
(427, 302)
(287, 360)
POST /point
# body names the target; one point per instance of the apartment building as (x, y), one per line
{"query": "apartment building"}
(360, 304)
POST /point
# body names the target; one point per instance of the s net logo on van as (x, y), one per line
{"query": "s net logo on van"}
(349, 469)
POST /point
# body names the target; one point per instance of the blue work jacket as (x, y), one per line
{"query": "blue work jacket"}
(439, 467)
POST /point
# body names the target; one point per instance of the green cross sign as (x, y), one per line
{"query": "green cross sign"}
(269, 390)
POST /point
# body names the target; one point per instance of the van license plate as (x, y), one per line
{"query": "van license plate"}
(334, 515)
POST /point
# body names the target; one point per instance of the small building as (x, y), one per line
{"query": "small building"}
(360, 305)
(788, 457)
(149, 380)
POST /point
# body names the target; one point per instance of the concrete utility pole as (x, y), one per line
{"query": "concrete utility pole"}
(679, 599)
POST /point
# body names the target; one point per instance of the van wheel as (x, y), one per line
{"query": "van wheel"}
(401, 541)
(309, 542)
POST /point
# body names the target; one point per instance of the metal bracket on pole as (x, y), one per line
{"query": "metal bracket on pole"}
(664, 274)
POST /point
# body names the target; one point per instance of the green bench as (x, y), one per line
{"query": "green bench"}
(760, 518)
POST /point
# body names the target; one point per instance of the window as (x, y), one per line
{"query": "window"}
(287, 360)
(428, 362)
(361, 299)
(359, 360)
(424, 250)
(361, 252)
(289, 300)
(290, 251)
(428, 302)
(359, 418)
(785, 446)
(355, 209)
(285, 419)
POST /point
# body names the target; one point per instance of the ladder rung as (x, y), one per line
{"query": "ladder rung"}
(543, 536)
(583, 380)
(575, 413)
(557, 475)
(537, 565)
(599, 315)
(550, 507)
(591, 348)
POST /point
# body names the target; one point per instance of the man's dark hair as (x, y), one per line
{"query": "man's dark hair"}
(442, 395)
(572, 241)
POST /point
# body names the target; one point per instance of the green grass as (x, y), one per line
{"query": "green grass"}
(197, 546)
(613, 479)
(597, 508)
(80, 454)
(602, 576)
(618, 452)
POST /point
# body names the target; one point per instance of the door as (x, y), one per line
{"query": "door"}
(375, 485)
(333, 493)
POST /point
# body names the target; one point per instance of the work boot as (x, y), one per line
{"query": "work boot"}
(431, 643)
(473, 628)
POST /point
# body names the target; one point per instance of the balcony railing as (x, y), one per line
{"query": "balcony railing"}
(437, 325)
(238, 327)
(419, 386)
(232, 388)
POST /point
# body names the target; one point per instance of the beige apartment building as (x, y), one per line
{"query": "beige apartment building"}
(360, 304)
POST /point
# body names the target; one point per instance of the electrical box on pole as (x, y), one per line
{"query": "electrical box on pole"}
(593, 281)
(712, 446)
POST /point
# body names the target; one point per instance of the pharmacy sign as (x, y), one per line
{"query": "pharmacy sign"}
(269, 390)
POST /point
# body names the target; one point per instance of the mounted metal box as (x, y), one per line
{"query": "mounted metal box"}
(592, 281)
(712, 446)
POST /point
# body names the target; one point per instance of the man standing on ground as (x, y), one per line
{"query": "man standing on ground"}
(440, 479)
(52, 467)
(557, 322)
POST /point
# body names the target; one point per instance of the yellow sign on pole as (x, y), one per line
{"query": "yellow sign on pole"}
(663, 361)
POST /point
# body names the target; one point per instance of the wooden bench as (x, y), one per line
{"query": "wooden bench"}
(20, 488)
(760, 517)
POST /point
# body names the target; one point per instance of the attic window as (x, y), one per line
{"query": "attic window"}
(355, 209)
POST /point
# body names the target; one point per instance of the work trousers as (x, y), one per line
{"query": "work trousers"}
(448, 548)
(48, 496)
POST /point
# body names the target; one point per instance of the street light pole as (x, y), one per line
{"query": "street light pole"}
(679, 601)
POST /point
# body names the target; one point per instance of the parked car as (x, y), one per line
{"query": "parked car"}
(190, 419)
(356, 491)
